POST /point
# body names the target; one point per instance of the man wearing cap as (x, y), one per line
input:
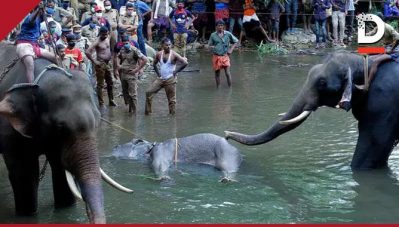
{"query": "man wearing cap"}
(63, 40)
(130, 62)
(74, 52)
(102, 65)
(83, 44)
(220, 42)
(27, 46)
(130, 20)
(180, 19)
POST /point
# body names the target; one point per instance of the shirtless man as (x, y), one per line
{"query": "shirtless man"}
(166, 75)
(102, 65)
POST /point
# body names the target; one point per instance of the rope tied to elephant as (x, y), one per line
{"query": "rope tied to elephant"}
(8, 68)
(176, 149)
(366, 72)
(43, 170)
(49, 67)
(120, 127)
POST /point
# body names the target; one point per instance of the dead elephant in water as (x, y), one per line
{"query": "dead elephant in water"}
(204, 148)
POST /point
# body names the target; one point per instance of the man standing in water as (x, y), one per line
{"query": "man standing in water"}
(166, 75)
(102, 65)
(220, 42)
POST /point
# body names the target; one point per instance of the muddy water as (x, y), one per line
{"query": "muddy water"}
(301, 177)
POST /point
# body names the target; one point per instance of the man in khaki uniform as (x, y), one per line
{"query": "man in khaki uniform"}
(129, 21)
(90, 13)
(91, 31)
(65, 18)
(80, 6)
(112, 16)
(83, 44)
(131, 61)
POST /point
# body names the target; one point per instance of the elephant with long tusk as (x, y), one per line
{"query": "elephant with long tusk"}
(56, 116)
(330, 83)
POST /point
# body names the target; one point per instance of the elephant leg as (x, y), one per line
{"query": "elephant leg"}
(63, 196)
(375, 143)
(23, 172)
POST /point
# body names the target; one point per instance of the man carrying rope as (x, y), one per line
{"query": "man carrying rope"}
(27, 47)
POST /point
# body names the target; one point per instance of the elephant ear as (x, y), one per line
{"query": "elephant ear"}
(19, 107)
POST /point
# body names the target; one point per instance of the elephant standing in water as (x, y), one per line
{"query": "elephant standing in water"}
(56, 117)
(376, 110)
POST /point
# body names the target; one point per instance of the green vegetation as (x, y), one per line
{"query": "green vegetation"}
(270, 48)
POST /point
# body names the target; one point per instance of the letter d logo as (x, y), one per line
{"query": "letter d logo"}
(362, 38)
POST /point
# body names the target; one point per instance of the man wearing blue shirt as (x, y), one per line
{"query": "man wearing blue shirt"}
(27, 46)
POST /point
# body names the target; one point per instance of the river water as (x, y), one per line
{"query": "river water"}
(300, 177)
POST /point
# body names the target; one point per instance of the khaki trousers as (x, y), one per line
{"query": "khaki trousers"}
(103, 73)
(170, 90)
(129, 90)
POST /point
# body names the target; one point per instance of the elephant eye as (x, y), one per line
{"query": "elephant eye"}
(322, 83)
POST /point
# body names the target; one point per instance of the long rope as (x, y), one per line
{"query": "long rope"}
(120, 127)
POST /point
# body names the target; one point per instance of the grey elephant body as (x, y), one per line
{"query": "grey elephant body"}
(56, 117)
(204, 148)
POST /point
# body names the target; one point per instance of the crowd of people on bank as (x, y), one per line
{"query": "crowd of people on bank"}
(113, 38)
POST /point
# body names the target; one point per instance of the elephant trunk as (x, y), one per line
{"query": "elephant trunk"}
(297, 114)
(82, 160)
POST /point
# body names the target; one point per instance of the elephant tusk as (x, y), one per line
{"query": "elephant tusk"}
(296, 119)
(72, 185)
(113, 183)
(282, 114)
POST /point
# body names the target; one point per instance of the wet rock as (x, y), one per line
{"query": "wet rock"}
(298, 37)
